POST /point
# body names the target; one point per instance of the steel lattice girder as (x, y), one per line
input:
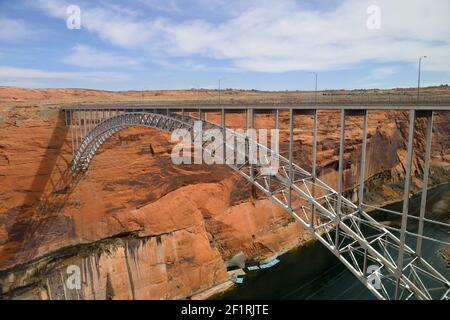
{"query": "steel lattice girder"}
(362, 239)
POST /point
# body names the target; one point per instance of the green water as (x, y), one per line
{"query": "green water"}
(312, 272)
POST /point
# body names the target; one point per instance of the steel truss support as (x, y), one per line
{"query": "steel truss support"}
(362, 179)
(426, 170)
(224, 135)
(398, 272)
(291, 155)
(277, 115)
(340, 173)
(252, 126)
(314, 165)
(71, 132)
(362, 173)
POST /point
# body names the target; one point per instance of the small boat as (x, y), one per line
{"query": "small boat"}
(239, 280)
(269, 264)
(252, 268)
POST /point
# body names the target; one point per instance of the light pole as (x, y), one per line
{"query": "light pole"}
(418, 82)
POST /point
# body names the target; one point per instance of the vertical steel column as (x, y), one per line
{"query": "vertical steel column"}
(84, 124)
(269, 178)
(291, 144)
(71, 132)
(89, 120)
(401, 248)
(252, 124)
(246, 120)
(277, 115)
(246, 141)
(362, 179)
(276, 118)
(252, 119)
(426, 170)
(314, 167)
(74, 115)
(182, 114)
(224, 130)
(362, 173)
(341, 169)
(79, 126)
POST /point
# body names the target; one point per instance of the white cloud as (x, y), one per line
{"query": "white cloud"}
(169, 6)
(12, 74)
(383, 72)
(13, 29)
(375, 77)
(85, 56)
(119, 27)
(277, 36)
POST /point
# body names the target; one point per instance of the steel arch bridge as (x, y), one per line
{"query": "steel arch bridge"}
(383, 262)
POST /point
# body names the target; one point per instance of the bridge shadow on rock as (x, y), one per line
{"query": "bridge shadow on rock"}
(39, 220)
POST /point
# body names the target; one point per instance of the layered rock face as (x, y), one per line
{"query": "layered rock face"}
(140, 227)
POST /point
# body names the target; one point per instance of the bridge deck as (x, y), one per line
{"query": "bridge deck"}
(256, 106)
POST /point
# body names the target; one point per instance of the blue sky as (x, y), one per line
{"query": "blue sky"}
(253, 44)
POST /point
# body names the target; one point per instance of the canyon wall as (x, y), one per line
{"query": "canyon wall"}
(140, 227)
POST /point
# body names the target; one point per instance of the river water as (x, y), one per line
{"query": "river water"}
(313, 272)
